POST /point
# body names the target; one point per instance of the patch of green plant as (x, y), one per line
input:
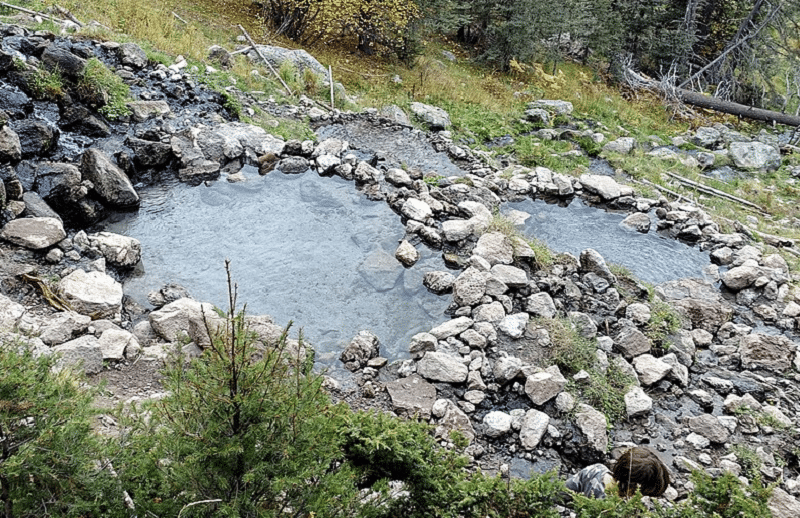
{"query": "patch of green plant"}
(604, 391)
(589, 146)
(464, 180)
(481, 496)
(569, 350)
(51, 462)
(664, 321)
(45, 84)
(104, 89)
(503, 225)
(748, 458)
(432, 179)
(531, 152)
(543, 256)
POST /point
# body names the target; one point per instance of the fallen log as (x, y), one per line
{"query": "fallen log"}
(715, 192)
(740, 110)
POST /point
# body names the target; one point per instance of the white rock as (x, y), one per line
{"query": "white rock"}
(438, 366)
(95, 293)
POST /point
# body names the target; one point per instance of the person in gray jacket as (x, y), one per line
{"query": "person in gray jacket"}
(637, 468)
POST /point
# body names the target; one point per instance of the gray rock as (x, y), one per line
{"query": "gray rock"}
(35, 137)
(538, 116)
(59, 58)
(10, 146)
(651, 369)
(10, 313)
(220, 56)
(406, 254)
(34, 233)
(741, 277)
(604, 186)
(469, 287)
(149, 153)
(592, 261)
(534, 426)
(492, 312)
(555, 107)
(83, 353)
(709, 427)
(176, 320)
(110, 182)
(36, 207)
(300, 59)
(622, 145)
(363, 347)
(754, 155)
(436, 118)
(511, 276)
(637, 402)
(783, 505)
(706, 137)
(422, 342)
(395, 113)
(118, 250)
(506, 368)
(62, 327)
(398, 177)
(594, 426)
(438, 282)
(451, 418)
(514, 325)
(457, 229)
(380, 270)
(631, 342)
(496, 424)
(58, 181)
(416, 209)
(144, 110)
(637, 312)
(132, 55)
(438, 366)
(115, 342)
(541, 304)
(95, 293)
(412, 396)
(543, 386)
(759, 351)
(495, 248)
(452, 327)
(638, 221)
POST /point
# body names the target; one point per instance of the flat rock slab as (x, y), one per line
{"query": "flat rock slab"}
(34, 233)
(444, 367)
(412, 396)
(95, 293)
(83, 353)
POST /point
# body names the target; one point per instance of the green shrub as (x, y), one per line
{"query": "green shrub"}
(103, 90)
(45, 85)
(51, 462)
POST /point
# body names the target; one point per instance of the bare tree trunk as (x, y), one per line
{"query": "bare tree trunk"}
(740, 110)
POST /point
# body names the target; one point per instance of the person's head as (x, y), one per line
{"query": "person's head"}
(640, 468)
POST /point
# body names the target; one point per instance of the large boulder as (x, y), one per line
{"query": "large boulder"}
(594, 426)
(604, 186)
(118, 250)
(436, 118)
(470, 287)
(59, 58)
(95, 293)
(300, 59)
(10, 313)
(450, 418)
(362, 348)
(758, 351)
(110, 182)
(183, 318)
(534, 426)
(35, 137)
(412, 396)
(34, 233)
(495, 248)
(10, 146)
(83, 353)
(444, 367)
(132, 54)
(755, 155)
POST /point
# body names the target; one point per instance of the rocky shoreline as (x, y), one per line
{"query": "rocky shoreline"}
(728, 378)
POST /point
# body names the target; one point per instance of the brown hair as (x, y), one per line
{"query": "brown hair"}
(640, 468)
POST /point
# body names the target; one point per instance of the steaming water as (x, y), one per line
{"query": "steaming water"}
(303, 248)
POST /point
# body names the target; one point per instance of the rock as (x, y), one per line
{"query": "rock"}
(469, 287)
(35, 137)
(114, 342)
(300, 59)
(179, 319)
(451, 418)
(514, 325)
(95, 293)
(149, 153)
(506, 368)
(767, 352)
(555, 107)
(783, 505)
(412, 396)
(58, 58)
(83, 353)
(406, 254)
(36, 207)
(10, 313)
(34, 233)
(592, 261)
(706, 137)
(741, 277)
(10, 146)
(363, 347)
(495, 248)
(118, 250)
(637, 402)
(416, 210)
(543, 386)
(452, 327)
(754, 155)
(110, 182)
(593, 425)
(438, 282)
(422, 342)
(132, 55)
(492, 312)
(57, 182)
(436, 118)
(631, 342)
(438, 366)
(398, 177)
(638, 221)
(76, 117)
(709, 427)
(534, 426)
(496, 424)
(637, 312)
(541, 304)
(511, 276)
(604, 186)
(220, 56)
(144, 110)
(651, 369)
(62, 327)
(380, 270)
(622, 145)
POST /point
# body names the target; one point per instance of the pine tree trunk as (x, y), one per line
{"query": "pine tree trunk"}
(740, 110)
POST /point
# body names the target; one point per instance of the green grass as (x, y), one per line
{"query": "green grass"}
(45, 84)
(98, 82)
